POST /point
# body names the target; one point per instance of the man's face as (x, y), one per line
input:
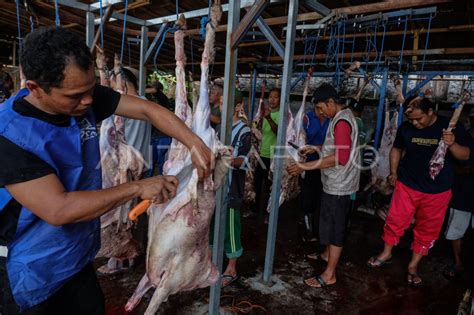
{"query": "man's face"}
(215, 95)
(239, 108)
(274, 99)
(328, 108)
(319, 111)
(74, 96)
(418, 118)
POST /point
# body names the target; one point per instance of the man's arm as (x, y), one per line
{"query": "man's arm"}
(170, 124)
(395, 157)
(459, 152)
(47, 198)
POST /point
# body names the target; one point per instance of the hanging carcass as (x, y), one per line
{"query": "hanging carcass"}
(295, 139)
(177, 255)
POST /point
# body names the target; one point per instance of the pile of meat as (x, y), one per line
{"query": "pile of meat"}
(178, 258)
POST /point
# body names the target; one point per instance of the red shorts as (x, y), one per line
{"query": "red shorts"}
(429, 211)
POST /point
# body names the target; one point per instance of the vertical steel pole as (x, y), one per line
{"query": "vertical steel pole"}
(254, 92)
(90, 30)
(226, 126)
(381, 109)
(142, 69)
(281, 139)
(404, 92)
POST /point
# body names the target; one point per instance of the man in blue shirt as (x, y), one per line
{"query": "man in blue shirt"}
(315, 124)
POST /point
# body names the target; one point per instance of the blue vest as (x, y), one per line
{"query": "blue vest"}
(315, 132)
(41, 257)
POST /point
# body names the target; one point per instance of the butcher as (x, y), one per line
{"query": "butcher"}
(50, 184)
(416, 194)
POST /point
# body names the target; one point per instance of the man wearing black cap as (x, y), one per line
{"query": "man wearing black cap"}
(340, 172)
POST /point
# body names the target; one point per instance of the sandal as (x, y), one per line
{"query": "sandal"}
(316, 256)
(375, 262)
(411, 279)
(115, 265)
(229, 281)
(322, 283)
(453, 272)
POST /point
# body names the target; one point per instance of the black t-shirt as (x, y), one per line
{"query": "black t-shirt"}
(18, 165)
(419, 146)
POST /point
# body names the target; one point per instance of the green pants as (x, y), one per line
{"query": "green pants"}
(232, 243)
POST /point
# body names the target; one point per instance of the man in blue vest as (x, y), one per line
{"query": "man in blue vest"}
(50, 182)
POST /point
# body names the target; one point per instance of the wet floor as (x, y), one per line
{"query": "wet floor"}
(359, 289)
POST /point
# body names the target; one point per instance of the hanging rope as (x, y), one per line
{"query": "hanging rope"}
(403, 46)
(192, 54)
(427, 41)
(58, 22)
(123, 31)
(157, 52)
(18, 22)
(101, 25)
(32, 24)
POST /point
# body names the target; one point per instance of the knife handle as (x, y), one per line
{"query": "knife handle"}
(139, 209)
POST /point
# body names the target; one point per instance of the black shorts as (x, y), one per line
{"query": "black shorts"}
(333, 219)
(80, 295)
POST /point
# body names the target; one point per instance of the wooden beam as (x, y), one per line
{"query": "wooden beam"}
(454, 28)
(386, 6)
(357, 55)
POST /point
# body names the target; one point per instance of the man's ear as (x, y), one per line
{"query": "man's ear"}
(35, 89)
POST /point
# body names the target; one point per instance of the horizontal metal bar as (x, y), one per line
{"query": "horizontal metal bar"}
(96, 5)
(73, 4)
(318, 25)
(202, 12)
(394, 14)
(119, 16)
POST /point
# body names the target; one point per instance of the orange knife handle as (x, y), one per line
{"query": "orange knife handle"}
(139, 209)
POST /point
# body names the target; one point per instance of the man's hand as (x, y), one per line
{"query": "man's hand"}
(308, 150)
(100, 58)
(158, 189)
(392, 178)
(202, 157)
(266, 112)
(448, 137)
(295, 169)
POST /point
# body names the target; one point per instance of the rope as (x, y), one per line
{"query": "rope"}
(123, 31)
(381, 48)
(58, 22)
(101, 25)
(177, 9)
(18, 22)
(32, 24)
(192, 54)
(157, 52)
(427, 41)
(403, 46)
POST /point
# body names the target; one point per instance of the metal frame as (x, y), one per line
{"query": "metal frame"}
(281, 140)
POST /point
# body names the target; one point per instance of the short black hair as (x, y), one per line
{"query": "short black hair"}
(48, 50)
(128, 76)
(5, 78)
(324, 93)
(275, 90)
(424, 104)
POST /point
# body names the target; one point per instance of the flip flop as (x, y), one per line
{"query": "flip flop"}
(315, 256)
(374, 262)
(321, 281)
(411, 280)
(115, 265)
(452, 272)
(231, 279)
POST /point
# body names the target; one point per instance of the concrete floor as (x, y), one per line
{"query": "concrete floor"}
(359, 290)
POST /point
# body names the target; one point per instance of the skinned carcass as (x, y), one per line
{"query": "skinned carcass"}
(254, 156)
(295, 139)
(120, 163)
(178, 257)
(437, 161)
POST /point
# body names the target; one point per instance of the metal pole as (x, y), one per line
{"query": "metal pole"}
(226, 126)
(401, 110)
(281, 139)
(142, 69)
(381, 109)
(90, 31)
(254, 92)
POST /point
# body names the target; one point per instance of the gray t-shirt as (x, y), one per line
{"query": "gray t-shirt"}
(138, 135)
